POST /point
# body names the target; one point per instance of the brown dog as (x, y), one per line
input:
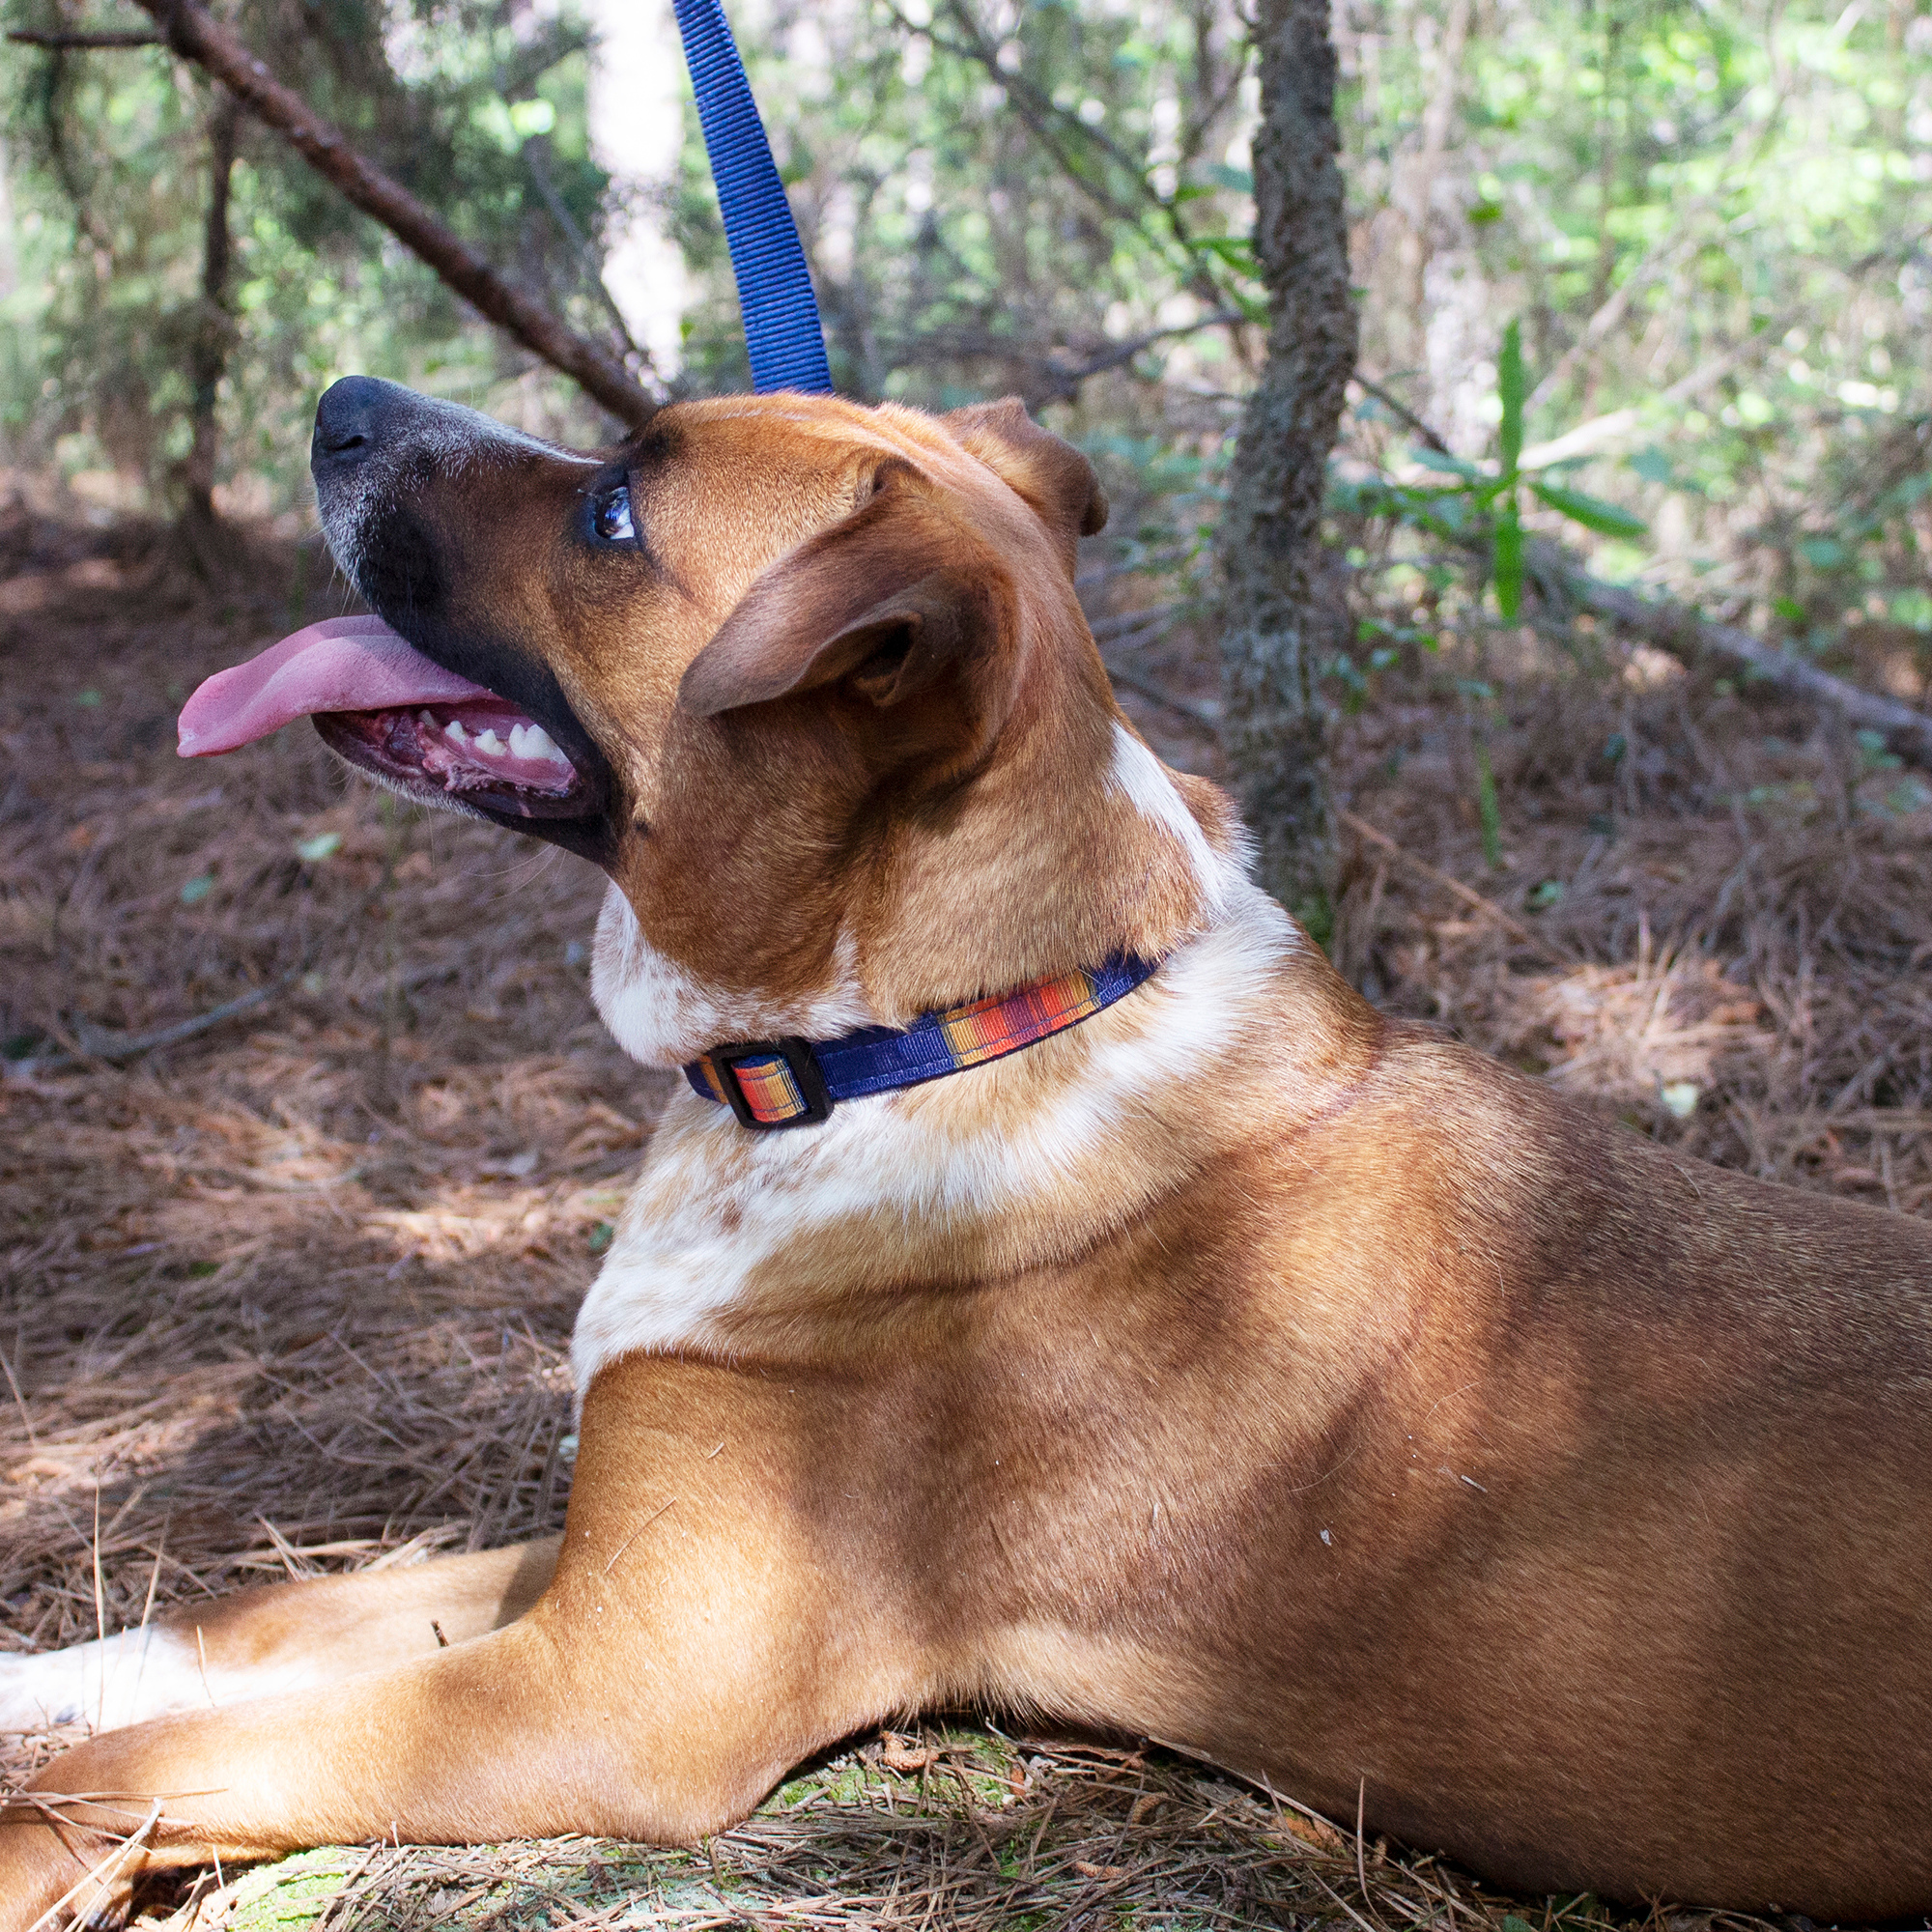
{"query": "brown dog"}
(1235, 1367)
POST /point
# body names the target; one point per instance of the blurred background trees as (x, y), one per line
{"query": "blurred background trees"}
(116, 161)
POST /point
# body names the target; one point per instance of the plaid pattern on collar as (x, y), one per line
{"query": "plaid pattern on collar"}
(791, 1082)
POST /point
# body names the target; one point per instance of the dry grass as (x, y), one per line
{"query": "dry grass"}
(960, 1829)
(294, 1294)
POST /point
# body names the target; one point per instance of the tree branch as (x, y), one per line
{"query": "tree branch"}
(33, 37)
(1064, 383)
(194, 35)
(1402, 412)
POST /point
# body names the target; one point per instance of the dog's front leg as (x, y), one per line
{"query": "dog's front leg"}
(695, 1642)
(511, 1736)
(282, 1636)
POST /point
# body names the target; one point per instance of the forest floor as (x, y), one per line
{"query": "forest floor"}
(293, 1294)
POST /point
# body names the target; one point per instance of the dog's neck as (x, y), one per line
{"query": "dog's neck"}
(806, 1245)
(795, 1245)
(1073, 845)
(1037, 875)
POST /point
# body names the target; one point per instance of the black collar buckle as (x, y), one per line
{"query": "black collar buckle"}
(783, 1073)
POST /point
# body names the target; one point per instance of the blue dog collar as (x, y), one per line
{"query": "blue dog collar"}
(792, 1082)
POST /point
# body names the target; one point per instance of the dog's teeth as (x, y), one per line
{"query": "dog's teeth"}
(520, 738)
(426, 721)
(539, 744)
(489, 742)
(455, 732)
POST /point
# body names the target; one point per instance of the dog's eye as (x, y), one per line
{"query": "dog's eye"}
(610, 516)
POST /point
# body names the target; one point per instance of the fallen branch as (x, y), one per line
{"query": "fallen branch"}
(100, 1042)
(1682, 632)
(195, 34)
(111, 1044)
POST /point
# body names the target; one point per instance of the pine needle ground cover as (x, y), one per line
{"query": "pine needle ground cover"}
(293, 1293)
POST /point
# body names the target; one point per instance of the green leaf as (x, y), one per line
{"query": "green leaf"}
(1241, 181)
(1789, 609)
(1508, 560)
(323, 845)
(1486, 808)
(1592, 512)
(1445, 464)
(1236, 250)
(198, 888)
(1513, 389)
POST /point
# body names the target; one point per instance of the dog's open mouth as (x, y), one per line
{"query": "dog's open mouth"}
(383, 705)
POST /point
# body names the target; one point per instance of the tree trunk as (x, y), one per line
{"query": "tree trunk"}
(1273, 627)
(207, 353)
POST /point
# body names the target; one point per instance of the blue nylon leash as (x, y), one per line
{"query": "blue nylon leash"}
(782, 326)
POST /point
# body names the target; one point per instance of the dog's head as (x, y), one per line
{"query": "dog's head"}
(807, 679)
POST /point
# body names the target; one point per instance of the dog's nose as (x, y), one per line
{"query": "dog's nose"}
(350, 420)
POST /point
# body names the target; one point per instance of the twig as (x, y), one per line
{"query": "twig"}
(100, 1876)
(95, 1043)
(1469, 894)
(111, 1044)
(1063, 384)
(1409, 420)
(195, 34)
(34, 37)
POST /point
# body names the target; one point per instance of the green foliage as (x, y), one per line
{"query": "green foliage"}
(1709, 221)
(1706, 222)
(989, 207)
(483, 120)
(1482, 509)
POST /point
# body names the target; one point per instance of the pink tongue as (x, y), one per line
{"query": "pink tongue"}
(343, 663)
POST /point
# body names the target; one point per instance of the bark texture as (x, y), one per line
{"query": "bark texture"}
(1274, 628)
(197, 36)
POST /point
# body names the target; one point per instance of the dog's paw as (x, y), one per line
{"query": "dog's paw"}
(107, 1910)
(40, 1692)
(104, 1685)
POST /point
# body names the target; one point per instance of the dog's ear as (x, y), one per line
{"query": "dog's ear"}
(889, 601)
(1055, 482)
